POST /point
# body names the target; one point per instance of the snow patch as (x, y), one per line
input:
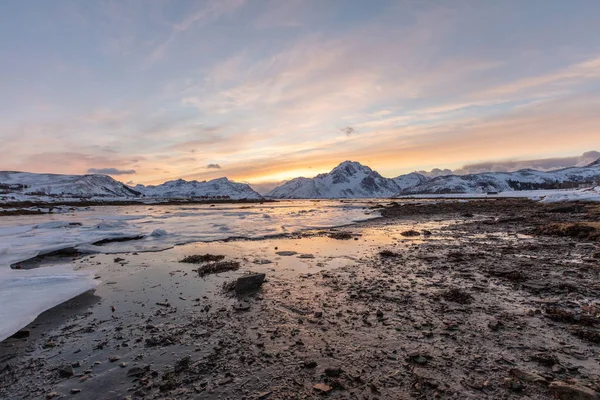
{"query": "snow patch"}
(25, 294)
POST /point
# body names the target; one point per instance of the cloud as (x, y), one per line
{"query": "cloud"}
(543, 164)
(213, 166)
(111, 171)
(436, 172)
(209, 12)
(348, 130)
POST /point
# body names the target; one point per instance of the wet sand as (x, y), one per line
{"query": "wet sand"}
(477, 304)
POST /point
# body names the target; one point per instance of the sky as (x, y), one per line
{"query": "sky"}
(266, 90)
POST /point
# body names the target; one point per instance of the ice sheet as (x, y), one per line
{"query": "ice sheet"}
(24, 294)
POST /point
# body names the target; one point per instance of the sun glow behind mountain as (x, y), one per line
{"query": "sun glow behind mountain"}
(266, 91)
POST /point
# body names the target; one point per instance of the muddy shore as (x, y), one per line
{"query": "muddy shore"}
(474, 299)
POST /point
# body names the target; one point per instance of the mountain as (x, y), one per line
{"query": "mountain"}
(525, 179)
(410, 180)
(25, 184)
(347, 180)
(217, 187)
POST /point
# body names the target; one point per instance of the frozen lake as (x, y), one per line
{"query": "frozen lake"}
(24, 294)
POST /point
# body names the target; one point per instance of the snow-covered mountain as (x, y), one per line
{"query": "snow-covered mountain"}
(410, 180)
(221, 187)
(347, 180)
(525, 179)
(24, 184)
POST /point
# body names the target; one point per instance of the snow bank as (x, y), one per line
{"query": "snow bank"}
(25, 294)
(590, 194)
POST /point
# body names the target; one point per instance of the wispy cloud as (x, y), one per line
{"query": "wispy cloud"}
(111, 171)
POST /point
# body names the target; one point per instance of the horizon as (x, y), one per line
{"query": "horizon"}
(546, 165)
(262, 92)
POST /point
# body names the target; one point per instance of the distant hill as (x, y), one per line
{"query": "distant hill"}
(221, 187)
(31, 184)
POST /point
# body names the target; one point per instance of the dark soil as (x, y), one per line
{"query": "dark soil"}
(489, 306)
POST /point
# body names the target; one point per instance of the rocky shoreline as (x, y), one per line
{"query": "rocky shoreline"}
(472, 299)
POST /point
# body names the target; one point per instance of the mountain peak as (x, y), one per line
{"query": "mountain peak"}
(350, 168)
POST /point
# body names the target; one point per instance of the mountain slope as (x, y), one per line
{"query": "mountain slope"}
(215, 188)
(31, 184)
(347, 180)
(526, 179)
(410, 180)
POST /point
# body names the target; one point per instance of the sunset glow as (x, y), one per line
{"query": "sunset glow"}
(264, 91)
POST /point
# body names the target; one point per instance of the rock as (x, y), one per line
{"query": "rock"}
(333, 372)
(263, 395)
(565, 391)
(136, 372)
(51, 395)
(410, 233)
(75, 391)
(241, 306)
(425, 376)
(528, 376)
(66, 371)
(306, 256)
(22, 334)
(318, 314)
(286, 253)
(249, 283)
(322, 388)
(567, 209)
(310, 364)
(119, 259)
(123, 365)
(545, 359)
(114, 358)
(495, 325)
(513, 384)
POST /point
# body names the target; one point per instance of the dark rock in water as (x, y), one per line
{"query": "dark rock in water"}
(66, 371)
(22, 334)
(286, 253)
(340, 235)
(202, 258)
(410, 233)
(249, 283)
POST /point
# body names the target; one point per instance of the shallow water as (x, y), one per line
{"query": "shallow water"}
(153, 227)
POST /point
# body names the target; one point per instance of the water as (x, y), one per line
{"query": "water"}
(24, 294)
